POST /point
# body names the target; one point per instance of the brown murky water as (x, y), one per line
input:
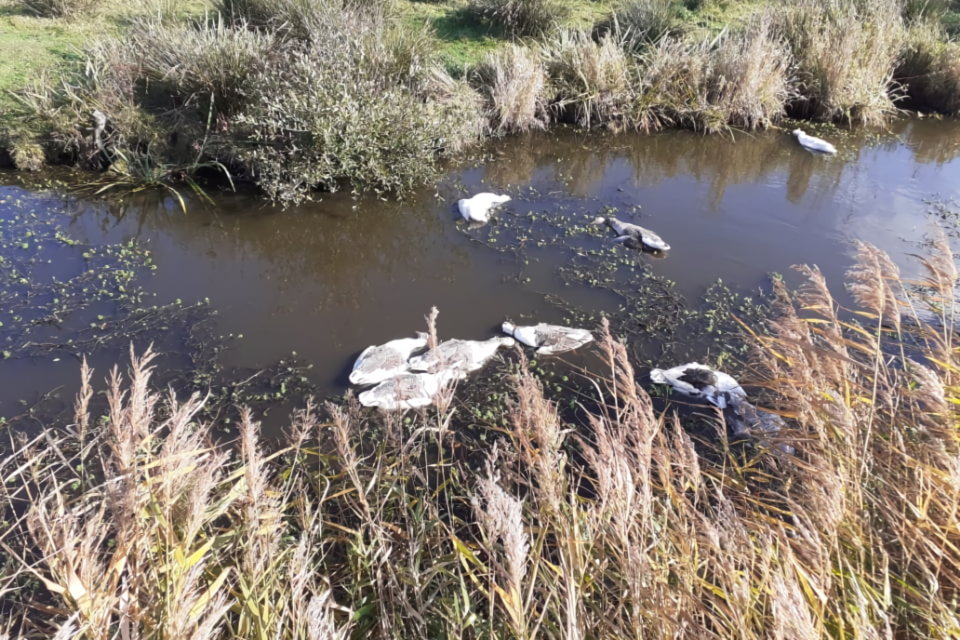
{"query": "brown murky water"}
(329, 278)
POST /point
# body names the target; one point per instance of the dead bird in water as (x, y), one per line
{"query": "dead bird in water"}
(407, 390)
(379, 363)
(747, 420)
(549, 339)
(700, 381)
(634, 235)
(461, 356)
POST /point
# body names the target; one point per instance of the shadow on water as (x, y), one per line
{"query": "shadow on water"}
(326, 279)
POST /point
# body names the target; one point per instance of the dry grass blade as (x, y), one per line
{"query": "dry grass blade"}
(605, 520)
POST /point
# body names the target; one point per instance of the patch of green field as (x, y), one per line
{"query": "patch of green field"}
(31, 44)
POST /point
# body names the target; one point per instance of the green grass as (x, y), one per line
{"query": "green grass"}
(31, 44)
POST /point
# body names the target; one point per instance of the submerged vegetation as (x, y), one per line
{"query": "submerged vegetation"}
(302, 94)
(523, 519)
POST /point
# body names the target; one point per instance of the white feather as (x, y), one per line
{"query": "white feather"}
(816, 144)
(714, 394)
(477, 208)
(462, 356)
(379, 363)
(549, 339)
(407, 391)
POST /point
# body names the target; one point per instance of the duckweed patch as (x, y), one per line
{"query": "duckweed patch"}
(660, 324)
(63, 297)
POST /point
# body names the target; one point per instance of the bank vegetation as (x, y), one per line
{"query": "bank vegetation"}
(588, 515)
(298, 95)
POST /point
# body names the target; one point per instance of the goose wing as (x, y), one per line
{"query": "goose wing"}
(816, 144)
(376, 364)
(555, 339)
(653, 240)
(686, 378)
(406, 391)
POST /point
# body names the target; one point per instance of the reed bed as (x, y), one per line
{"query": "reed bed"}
(846, 53)
(614, 524)
(515, 81)
(301, 95)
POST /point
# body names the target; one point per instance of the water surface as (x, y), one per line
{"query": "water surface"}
(331, 277)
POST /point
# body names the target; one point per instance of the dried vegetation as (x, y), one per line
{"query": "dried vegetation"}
(296, 95)
(614, 524)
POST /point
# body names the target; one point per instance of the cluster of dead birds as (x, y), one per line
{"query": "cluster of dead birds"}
(404, 374)
(406, 377)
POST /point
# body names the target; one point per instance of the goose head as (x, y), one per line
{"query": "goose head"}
(600, 220)
(508, 328)
(501, 199)
(797, 132)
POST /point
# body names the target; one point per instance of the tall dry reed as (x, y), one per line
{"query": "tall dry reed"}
(846, 52)
(615, 524)
(592, 80)
(514, 79)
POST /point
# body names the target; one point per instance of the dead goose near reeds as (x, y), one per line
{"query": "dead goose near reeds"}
(549, 339)
(634, 235)
(407, 390)
(747, 420)
(379, 363)
(699, 381)
(477, 208)
(462, 356)
(814, 144)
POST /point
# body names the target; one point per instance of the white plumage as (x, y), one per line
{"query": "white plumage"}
(379, 363)
(699, 381)
(460, 356)
(477, 208)
(549, 339)
(407, 390)
(632, 234)
(814, 144)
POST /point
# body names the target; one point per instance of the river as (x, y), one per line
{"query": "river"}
(327, 279)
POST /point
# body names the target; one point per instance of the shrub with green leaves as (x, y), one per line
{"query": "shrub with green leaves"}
(930, 67)
(319, 120)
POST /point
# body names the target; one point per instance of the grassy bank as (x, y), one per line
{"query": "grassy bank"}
(509, 516)
(296, 95)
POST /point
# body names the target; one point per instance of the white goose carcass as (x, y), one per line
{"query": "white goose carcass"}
(407, 390)
(477, 208)
(379, 363)
(814, 144)
(549, 339)
(635, 235)
(460, 356)
(699, 381)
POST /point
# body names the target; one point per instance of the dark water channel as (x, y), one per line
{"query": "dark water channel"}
(327, 279)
